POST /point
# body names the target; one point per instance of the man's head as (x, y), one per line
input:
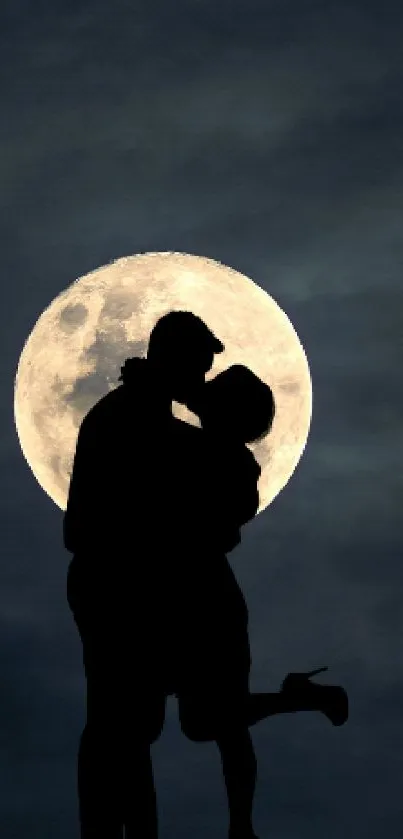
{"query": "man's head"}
(182, 349)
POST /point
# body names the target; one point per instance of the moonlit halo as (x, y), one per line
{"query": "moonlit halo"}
(74, 353)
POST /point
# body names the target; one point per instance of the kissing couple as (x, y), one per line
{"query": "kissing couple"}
(155, 506)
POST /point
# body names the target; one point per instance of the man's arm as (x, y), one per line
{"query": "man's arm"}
(79, 489)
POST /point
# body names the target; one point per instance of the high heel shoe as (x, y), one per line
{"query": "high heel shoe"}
(331, 700)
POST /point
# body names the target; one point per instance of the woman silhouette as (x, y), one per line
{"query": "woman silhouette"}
(212, 653)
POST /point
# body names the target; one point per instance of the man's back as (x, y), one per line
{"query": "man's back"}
(122, 521)
(119, 450)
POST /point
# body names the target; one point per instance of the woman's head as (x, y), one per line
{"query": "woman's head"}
(236, 401)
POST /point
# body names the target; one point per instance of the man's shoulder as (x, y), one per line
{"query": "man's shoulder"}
(104, 407)
(121, 398)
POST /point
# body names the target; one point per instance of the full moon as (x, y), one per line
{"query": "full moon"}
(74, 353)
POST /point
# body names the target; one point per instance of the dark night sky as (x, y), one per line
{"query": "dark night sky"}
(266, 134)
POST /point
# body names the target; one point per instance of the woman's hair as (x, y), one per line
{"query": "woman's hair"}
(238, 400)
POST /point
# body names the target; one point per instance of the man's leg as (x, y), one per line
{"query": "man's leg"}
(140, 800)
(98, 777)
(115, 776)
(239, 768)
(140, 807)
(99, 785)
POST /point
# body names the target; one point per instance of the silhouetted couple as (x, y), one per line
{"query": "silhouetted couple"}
(155, 505)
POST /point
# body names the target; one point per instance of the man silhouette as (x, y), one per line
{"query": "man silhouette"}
(121, 503)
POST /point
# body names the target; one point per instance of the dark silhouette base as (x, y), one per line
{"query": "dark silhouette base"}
(116, 789)
(156, 603)
(117, 796)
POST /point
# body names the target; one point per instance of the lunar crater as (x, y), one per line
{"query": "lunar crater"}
(72, 317)
(119, 306)
(290, 387)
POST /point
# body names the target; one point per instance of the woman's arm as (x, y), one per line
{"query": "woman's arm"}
(231, 496)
